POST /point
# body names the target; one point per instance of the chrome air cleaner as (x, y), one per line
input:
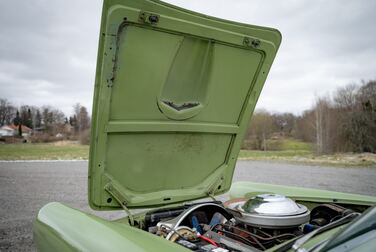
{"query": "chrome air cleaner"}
(269, 211)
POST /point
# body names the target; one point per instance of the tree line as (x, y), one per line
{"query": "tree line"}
(343, 122)
(47, 122)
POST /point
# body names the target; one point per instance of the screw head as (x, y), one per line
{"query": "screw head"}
(246, 41)
(153, 19)
(256, 43)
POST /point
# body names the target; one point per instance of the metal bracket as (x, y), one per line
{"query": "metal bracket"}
(120, 199)
(148, 18)
(214, 187)
(210, 195)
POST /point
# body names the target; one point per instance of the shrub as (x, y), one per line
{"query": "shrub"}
(85, 137)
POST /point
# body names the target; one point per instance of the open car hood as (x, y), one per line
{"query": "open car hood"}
(174, 93)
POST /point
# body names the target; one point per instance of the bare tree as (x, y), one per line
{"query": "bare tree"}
(305, 128)
(348, 122)
(260, 128)
(84, 119)
(7, 112)
(345, 98)
(284, 123)
(26, 116)
(366, 125)
(52, 119)
(345, 101)
(356, 112)
(326, 125)
(80, 120)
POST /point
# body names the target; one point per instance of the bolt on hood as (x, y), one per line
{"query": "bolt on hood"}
(174, 93)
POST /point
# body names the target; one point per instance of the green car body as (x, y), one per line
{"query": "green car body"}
(61, 228)
(174, 93)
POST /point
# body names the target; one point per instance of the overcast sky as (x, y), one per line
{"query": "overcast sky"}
(48, 48)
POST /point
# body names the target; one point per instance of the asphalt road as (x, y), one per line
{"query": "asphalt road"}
(26, 186)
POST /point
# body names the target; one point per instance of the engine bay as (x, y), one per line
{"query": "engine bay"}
(245, 225)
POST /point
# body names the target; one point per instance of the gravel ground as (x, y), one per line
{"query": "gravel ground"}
(26, 186)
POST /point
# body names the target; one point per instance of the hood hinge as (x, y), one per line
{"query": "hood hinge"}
(120, 199)
(211, 195)
(214, 187)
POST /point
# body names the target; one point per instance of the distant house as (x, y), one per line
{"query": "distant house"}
(6, 131)
(68, 128)
(12, 130)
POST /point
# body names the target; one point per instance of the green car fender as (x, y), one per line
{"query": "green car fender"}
(245, 189)
(61, 228)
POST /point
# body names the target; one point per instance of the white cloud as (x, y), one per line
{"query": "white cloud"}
(49, 49)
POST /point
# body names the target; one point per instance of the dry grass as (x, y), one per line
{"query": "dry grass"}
(307, 157)
(66, 150)
(63, 150)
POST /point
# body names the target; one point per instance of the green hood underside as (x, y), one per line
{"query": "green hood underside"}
(174, 93)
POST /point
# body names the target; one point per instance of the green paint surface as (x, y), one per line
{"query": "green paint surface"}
(60, 228)
(248, 189)
(172, 103)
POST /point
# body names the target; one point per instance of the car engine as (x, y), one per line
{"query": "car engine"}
(245, 225)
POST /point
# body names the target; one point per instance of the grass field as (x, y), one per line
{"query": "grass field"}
(291, 151)
(43, 151)
(255, 154)
(308, 157)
